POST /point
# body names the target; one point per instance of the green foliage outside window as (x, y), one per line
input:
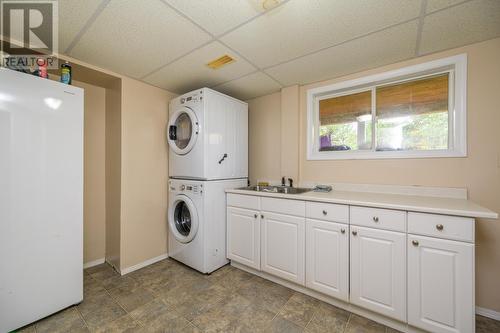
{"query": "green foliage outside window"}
(427, 131)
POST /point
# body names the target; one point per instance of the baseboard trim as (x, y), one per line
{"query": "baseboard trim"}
(143, 264)
(93, 263)
(488, 313)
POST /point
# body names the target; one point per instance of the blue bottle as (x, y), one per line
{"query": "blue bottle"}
(66, 73)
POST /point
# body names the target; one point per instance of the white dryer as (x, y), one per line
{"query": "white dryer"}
(197, 222)
(208, 136)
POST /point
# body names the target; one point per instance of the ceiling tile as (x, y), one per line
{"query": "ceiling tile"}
(191, 71)
(433, 5)
(378, 49)
(460, 25)
(135, 37)
(73, 14)
(299, 27)
(250, 86)
(218, 16)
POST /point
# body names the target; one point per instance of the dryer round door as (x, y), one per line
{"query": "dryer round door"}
(183, 219)
(183, 130)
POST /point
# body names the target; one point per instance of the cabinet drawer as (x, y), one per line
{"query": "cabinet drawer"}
(327, 212)
(441, 226)
(379, 218)
(243, 201)
(284, 206)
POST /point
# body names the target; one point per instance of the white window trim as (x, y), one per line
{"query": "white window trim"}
(456, 65)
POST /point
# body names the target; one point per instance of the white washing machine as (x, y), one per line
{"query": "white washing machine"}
(197, 222)
(208, 136)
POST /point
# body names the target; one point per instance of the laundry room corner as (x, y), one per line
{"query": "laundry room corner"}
(144, 178)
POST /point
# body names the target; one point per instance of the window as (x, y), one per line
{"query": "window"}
(413, 112)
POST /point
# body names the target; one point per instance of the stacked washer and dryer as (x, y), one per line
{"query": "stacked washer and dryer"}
(208, 139)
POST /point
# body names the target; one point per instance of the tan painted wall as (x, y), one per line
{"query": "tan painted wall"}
(144, 176)
(94, 187)
(113, 173)
(290, 120)
(264, 137)
(479, 172)
(131, 130)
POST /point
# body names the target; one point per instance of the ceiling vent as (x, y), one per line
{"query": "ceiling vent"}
(219, 62)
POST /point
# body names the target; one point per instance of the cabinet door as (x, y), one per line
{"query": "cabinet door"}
(283, 239)
(440, 285)
(378, 271)
(327, 258)
(243, 236)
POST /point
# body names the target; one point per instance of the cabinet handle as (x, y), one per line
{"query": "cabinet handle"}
(414, 242)
(342, 231)
(439, 227)
(255, 215)
(375, 219)
(325, 212)
(354, 232)
(261, 216)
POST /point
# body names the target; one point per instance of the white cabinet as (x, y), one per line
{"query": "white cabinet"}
(440, 285)
(243, 236)
(378, 271)
(283, 246)
(327, 258)
(417, 268)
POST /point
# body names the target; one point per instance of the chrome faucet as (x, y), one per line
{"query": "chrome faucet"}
(290, 182)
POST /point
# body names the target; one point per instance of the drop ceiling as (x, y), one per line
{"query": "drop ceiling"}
(167, 43)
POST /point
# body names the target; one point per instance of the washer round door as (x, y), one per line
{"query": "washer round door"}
(183, 219)
(183, 130)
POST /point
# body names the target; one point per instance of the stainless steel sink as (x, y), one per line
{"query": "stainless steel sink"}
(276, 189)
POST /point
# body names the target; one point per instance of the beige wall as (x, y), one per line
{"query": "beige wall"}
(264, 137)
(126, 171)
(126, 166)
(94, 189)
(290, 120)
(144, 177)
(479, 172)
(113, 172)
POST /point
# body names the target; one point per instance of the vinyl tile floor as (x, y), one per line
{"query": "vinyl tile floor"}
(170, 297)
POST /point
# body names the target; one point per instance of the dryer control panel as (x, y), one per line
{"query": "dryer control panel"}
(190, 99)
(193, 98)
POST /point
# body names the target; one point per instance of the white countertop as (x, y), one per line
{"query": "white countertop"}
(414, 203)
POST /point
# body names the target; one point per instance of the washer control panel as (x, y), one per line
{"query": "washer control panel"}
(185, 187)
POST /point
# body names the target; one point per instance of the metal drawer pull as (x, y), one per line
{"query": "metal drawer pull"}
(261, 216)
(375, 219)
(325, 212)
(354, 232)
(342, 231)
(414, 242)
(255, 216)
(439, 227)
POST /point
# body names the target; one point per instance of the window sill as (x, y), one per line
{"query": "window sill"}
(376, 155)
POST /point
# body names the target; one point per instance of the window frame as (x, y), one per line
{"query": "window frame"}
(457, 109)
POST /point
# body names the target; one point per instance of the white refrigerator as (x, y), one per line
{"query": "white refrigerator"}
(41, 198)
